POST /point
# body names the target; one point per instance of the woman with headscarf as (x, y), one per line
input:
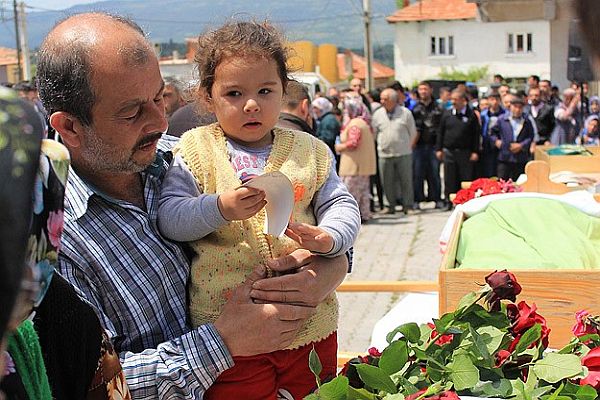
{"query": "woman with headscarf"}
(59, 348)
(328, 127)
(357, 153)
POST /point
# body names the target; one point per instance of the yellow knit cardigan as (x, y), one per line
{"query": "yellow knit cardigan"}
(226, 256)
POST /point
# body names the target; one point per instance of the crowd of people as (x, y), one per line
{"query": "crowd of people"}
(134, 264)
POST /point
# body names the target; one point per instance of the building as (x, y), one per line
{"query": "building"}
(514, 38)
(350, 65)
(9, 67)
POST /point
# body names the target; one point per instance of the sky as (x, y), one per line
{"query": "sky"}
(57, 4)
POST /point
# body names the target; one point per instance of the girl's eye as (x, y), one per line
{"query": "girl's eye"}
(264, 91)
(234, 93)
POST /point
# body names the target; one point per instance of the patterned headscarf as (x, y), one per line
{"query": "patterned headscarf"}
(322, 104)
(355, 108)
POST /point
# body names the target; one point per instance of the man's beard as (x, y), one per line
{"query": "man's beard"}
(100, 156)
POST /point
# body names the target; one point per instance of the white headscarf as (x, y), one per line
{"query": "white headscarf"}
(322, 104)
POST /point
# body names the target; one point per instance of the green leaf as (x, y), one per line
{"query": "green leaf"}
(467, 301)
(586, 392)
(335, 389)
(314, 363)
(501, 388)
(394, 357)
(408, 387)
(554, 395)
(442, 324)
(410, 331)
(463, 373)
(555, 367)
(396, 396)
(376, 378)
(529, 337)
(480, 345)
(360, 394)
(312, 396)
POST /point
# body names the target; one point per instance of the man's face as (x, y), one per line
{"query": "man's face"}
(532, 83)
(458, 101)
(534, 96)
(484, 104)
(516, 109)
(494, 103)
(506, 101)
(444, 95)
(503, 90)
(386, 101)
(128, 117)
(172, 99)
(424, 92)
(545, 88)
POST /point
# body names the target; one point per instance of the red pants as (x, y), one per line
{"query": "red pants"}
(261, 377)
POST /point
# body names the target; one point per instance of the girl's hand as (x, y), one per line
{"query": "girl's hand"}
(241, 203)
(310, 237)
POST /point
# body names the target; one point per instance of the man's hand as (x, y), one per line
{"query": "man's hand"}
(515, 148)
(474, 157)
(310, 237)
(314, 280)
(498, 143)
(439, 155)
(241, 203)
(248, 329)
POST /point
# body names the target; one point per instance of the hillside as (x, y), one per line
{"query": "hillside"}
(333, 21)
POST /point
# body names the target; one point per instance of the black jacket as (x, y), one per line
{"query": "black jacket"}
(427, 119)
(544, 121)
(459, 131)
(290, 121)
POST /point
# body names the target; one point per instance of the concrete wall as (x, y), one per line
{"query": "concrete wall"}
(475, 44)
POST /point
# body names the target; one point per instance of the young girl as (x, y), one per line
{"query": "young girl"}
(243, 75)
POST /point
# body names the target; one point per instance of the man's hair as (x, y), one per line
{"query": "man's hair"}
(444, 89)
(533, 88)
(396, 86)
(175, 84)
(240, 39)
(547, 81)
(64, 74)
(295, 93)
(493, 94)
(461, 93)
(424, 83)
(589, 15)
(375, 95)
(392, 93)
(498, 76)
(535, 78)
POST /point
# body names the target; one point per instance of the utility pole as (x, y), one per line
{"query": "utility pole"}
(23, 42)
(16, 15)
(368, 47)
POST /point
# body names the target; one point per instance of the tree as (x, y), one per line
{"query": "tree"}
(473, 74)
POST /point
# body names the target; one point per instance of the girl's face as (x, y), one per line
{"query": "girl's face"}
(246, 99)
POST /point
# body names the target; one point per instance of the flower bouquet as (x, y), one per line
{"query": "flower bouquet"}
(490, 346)
(484, 187)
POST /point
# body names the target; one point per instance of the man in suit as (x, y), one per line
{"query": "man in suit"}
(457, 143)
(512, 135)
(542, 114)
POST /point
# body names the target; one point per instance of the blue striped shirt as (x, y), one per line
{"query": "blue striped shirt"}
(136, 279)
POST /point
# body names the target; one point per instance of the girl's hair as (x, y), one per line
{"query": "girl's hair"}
(239, 39)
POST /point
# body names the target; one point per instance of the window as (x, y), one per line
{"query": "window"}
(442, 46)
(520, 43)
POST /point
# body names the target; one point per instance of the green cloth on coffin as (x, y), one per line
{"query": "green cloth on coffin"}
(529, 233)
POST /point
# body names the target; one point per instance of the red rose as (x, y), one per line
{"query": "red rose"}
(447, 395)
(583, 326)
(504, 285)
(501, 357)
(485, 186)
(373, 352)
(442, 340)
(524, 317)
(592, 362)
(462, 196)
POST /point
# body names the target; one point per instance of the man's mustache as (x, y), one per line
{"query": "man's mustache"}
(149, 139)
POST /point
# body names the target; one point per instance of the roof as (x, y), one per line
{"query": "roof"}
(434, 10)
(8, 56)
(359, 67)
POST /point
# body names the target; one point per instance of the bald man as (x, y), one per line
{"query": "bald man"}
(109, 109)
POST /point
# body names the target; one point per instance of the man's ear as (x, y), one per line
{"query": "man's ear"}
(69, 128)
(305, 107)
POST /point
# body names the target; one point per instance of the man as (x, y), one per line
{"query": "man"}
(396, 135)
(504, 89)
(512, 136)
(458, 143)
(533, 82)
(567, 116)
(190, 116)
(173, 95)
(445, 98)
(546, 92)
(357, 87)
(489, 152)
(542, 114)
(427, 114)
(112, 250)
(295, 111)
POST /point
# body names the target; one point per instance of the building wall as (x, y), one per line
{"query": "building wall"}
(475, 44)
(559, 37)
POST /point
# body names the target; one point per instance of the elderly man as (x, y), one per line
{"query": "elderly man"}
(173, 95)
(110, 113)
(396, 135)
